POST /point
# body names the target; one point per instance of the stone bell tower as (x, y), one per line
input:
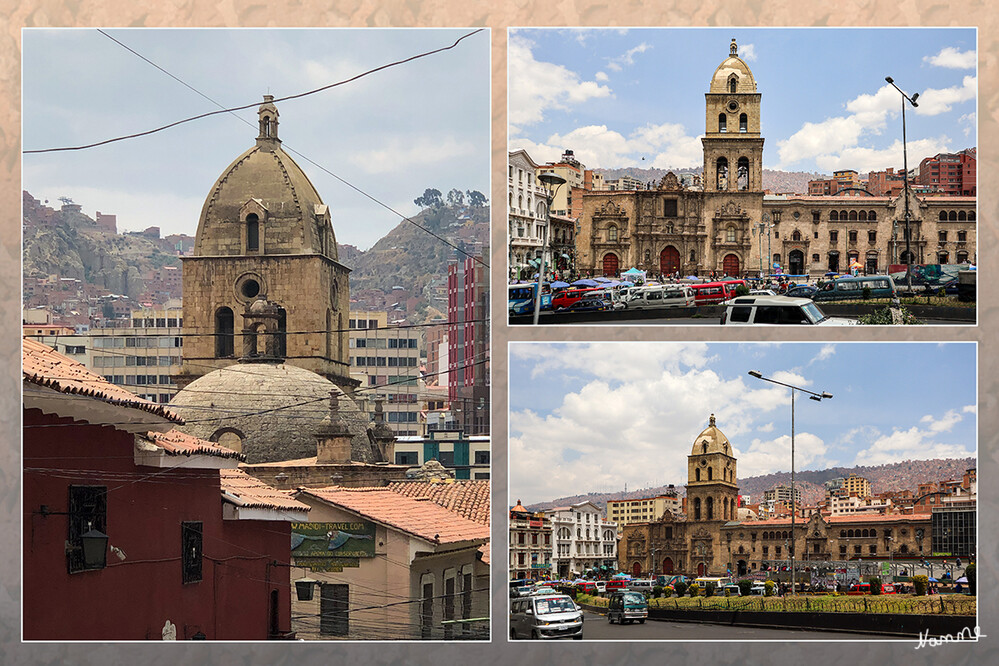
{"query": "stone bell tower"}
(265, 233)
(712, 498)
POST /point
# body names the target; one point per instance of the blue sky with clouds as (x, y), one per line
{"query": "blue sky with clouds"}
(617, 96)
(594, 417)
(392, 134)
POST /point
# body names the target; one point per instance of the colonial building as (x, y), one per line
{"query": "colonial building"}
(582, 540)
(528, 220)
(530, 544)
(265, 233)
(729, 226)
(642, 509)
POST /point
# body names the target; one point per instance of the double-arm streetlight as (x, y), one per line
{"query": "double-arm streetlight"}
(551, 182)
(812, 395)
(905, 176)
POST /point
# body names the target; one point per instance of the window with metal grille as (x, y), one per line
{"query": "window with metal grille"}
(87, 511)
(191, 550)
(427, 609)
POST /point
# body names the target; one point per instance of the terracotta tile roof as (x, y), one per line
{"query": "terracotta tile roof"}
(484, 549)
(251, 492)
(44, 366)
(177, 443)
(419, 517)
(874, 518)
(467, 498)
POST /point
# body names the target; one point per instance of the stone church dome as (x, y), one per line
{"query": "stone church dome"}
(267, 183)
(711, 440)
(733, 67)
(268, 411)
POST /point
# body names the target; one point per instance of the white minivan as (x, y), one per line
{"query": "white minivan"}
(660, 296)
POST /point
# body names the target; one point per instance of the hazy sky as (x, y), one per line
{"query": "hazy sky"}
(618, 96)
(392, 134)
(594, 417)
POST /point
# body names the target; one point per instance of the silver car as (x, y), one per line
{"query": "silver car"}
(777, 310)
(545, 616)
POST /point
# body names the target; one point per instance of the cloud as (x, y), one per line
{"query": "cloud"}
(626, 362)
(597, 146)
(951, 58)
(627, 58)
(936, 101)
(774, 455)
(835, 143)
(970, 122)
(402, 153)
(747, 52)
(601, 76)
(765, 428)
(537, 87)
(917, 443)
(824, 353)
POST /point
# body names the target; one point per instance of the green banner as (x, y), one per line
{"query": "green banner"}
(885, 568)
(334, 541)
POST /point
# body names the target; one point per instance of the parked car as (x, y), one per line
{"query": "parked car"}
(777, 310)
(849, 287)
(802, 291)
(588, 304)
(543, 590)
(617, 584)
(601, 586)
(641, 585)
(627, 607)
(587, 587)
(545, 617)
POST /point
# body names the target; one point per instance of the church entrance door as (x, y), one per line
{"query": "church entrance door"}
(700, 569)
(669, 260)
(636, 570)
(796, 262)
(731, 265)
(668, 566)
(611, 264)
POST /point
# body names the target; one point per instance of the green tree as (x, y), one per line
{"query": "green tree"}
(455, 198)
(875, 582)
(742, 290)
(476, 199)
(921, 582)
(693, 589)
(431, 199)
(768, 588)
(709, 589)
(680, 587)
(745, 587)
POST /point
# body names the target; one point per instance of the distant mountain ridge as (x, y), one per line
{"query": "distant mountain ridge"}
(907, 474)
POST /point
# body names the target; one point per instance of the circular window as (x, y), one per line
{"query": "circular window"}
(797, 215)
(249, 287)
(733, 106)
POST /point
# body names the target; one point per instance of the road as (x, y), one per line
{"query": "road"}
(596, 628)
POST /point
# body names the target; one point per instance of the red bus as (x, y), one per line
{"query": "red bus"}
(710, 293)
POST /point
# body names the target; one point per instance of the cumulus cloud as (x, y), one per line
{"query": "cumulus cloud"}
(835, 143)
(774, 455)
(747, 52)
(953, 58)
(597, 146)
(627, 58)
(824, 353)
(536, 87)
(769, 427)
(918, 443)
(601, 76)
(626, 362)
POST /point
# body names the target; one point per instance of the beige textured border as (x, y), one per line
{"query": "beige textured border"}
(316, 13)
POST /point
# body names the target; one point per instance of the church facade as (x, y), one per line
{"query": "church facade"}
(729, 226)
(711, 538)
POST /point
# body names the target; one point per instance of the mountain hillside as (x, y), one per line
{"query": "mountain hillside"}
(782, 182)
(897, 476)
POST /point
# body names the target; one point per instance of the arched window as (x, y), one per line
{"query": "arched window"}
(796, 235)
(721, 173)
(842, 534)
(743, 173)
(834, 216)
(943, 216)
(711, 508)
(730, 235)
(612, 233)
(743, 123)
(692, 255)
(971, 216)
(329, 333)
(732, 83)
(722, 122)
(281, 348)
(952, 216)
(871, 216)
(710, 474)
(853, 216)
(843, 216)
(252, 232)
(697, 474)
(962, 216)
(697, 508)
(863, 216)
(224, 339)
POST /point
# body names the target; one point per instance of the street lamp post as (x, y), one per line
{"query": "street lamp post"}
(905, 176)
(812, 395)
(551, 182)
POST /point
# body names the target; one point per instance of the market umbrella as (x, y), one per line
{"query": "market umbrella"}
(603, 279)
(559, 285)
(585, 282)
(962, 579)
(933, 580)
(627, 284)
(856, 264)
